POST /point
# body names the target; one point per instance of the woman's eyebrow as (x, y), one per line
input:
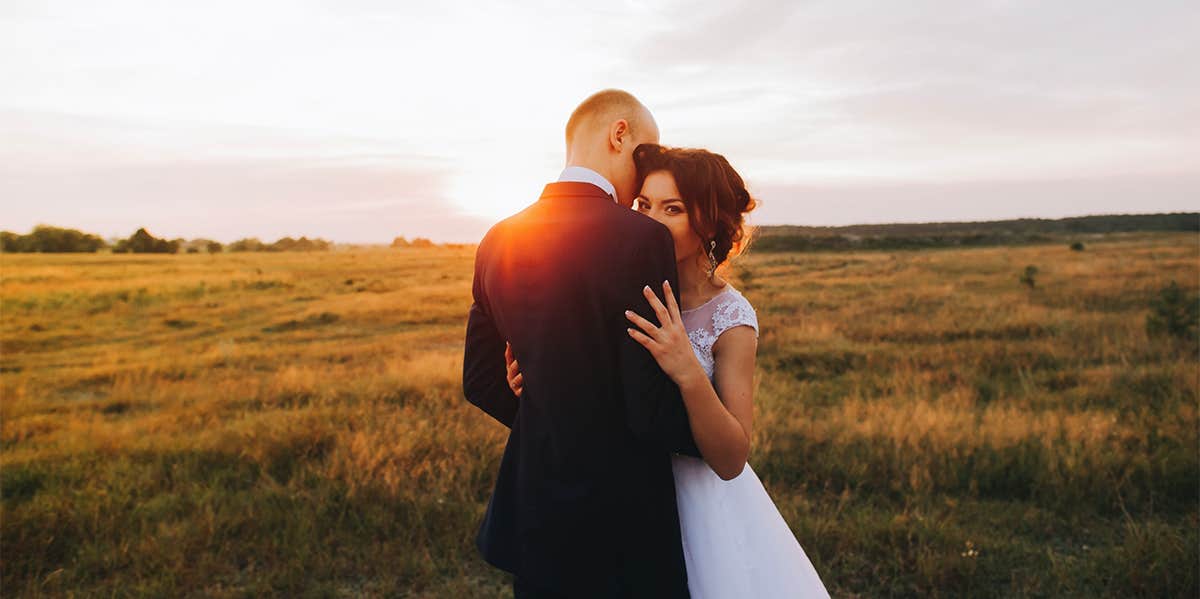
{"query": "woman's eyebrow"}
(650, 201)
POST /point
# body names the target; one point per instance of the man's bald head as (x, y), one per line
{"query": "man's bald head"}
(600, 109)
(602, 134)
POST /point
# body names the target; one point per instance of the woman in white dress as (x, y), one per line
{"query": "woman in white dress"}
(736, 544)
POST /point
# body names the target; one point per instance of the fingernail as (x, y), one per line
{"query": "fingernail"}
(627, 313)
(647, 288)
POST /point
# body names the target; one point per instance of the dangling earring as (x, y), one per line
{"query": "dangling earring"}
(712, 260)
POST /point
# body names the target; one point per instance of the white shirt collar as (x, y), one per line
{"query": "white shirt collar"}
(582, 174)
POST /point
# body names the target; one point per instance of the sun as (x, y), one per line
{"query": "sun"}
(498, 189)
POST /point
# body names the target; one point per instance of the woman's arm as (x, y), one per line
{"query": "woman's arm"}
(721, 417)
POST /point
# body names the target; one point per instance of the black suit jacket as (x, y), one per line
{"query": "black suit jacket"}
(584, 501)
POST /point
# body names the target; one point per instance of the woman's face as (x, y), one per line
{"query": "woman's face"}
(659, 199)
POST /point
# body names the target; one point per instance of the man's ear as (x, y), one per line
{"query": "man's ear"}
(618, 134)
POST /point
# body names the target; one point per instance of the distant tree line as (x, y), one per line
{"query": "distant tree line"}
(47, 239)
(791, 238)
(417, 242)
(286, 244)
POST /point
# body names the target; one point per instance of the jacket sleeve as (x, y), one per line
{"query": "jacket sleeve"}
(484, 377)
(653, 405)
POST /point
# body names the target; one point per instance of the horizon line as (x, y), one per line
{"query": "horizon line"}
(764, 226)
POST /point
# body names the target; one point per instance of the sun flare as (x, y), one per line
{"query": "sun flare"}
(495, 191)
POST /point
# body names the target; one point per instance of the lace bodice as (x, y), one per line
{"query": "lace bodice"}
(705, 323)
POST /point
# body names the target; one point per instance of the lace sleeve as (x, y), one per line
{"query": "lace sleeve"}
(736, 311)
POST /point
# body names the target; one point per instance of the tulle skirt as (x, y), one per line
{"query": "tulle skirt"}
(735, 542)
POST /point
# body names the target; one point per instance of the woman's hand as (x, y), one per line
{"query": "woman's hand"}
(669, 343)
(516, 380)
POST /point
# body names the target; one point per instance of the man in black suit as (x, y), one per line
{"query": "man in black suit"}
(584, 503)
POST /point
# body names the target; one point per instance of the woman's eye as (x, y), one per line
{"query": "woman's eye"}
(673, 210)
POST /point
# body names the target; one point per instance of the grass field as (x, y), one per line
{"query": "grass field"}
(288, 424)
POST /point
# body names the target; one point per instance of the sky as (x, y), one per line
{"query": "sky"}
(361, 120)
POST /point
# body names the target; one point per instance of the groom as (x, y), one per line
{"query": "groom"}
(584, 504)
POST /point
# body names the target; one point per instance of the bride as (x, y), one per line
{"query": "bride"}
(735, 542)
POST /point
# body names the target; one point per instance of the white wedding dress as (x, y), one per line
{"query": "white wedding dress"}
(735, 542)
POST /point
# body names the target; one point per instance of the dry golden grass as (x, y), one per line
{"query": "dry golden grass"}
(293, 424)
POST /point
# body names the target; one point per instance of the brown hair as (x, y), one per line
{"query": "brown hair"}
(714, 194)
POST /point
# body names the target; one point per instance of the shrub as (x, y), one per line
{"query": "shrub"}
(304, 244)
(1173, 312)
(1029, 277)
(142, 242)
(248, 244)
(285, 244)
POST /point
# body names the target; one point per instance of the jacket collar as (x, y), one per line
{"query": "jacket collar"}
(574, 189)
(583, 174)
